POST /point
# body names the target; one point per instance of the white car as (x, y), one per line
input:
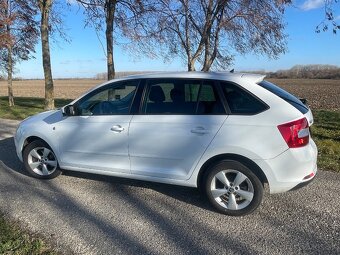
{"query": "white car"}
(226, 133)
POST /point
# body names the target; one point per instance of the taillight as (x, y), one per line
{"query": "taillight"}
(295, 133)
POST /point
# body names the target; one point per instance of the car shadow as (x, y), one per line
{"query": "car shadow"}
(9, 157)
(188, 195)
(185, 194)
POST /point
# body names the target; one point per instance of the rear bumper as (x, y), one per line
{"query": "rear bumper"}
(292, 169)
(303, 184)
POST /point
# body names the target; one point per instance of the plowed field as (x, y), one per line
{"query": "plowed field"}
(321, 94)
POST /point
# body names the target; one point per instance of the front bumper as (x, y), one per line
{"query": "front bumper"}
(19, 142)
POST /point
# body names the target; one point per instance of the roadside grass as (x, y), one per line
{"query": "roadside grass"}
(326, 134)
(25, 106)
(14, 240)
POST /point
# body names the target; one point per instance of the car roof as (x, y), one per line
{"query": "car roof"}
(197, 75)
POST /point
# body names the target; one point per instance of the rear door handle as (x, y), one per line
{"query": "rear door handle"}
(199, 130)
(117, 128)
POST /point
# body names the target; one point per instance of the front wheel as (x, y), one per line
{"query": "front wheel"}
(232, 188)
(40, 161)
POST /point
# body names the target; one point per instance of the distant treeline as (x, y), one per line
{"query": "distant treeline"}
(296, 72)
(103, 76)
(307, 72)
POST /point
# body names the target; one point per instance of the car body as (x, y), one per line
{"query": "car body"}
(178, 128)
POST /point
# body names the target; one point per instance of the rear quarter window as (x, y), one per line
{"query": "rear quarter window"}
(241, 101)
(289, 98)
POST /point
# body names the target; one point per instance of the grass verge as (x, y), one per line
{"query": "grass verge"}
(326, 134)
(25, 106)
(13, 240)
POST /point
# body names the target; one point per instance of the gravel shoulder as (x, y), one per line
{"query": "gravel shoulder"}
(88, 214)
(7, 128)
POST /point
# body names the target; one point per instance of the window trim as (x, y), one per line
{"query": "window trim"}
(146, 84)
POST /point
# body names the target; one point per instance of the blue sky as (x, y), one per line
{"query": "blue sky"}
(83, 56)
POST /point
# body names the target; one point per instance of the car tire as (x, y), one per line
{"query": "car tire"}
(40, 160)
(232, 188)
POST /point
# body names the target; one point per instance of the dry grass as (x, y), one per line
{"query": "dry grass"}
(321, 94)
(70, 89)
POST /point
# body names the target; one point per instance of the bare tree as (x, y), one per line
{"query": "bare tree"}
(4, 38)
(109, 12)
(209, 32)
(45, 7)
(19, 33)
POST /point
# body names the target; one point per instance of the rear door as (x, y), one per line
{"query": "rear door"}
(178, 120)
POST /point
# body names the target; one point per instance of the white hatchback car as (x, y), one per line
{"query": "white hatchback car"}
(226, 133)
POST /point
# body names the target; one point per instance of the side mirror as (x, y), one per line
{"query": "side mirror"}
(68, 110)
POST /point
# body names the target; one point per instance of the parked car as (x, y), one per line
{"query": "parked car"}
(225, 133)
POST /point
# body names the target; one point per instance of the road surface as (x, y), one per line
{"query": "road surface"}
(89, 214)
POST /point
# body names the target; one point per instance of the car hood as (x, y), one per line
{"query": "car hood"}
(49, 117)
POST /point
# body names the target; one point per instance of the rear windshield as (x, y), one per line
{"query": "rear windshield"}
(289, 98)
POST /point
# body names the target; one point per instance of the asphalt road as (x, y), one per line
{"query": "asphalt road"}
(89, 214)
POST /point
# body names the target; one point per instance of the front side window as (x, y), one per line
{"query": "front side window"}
(111, 100)
(182, 97)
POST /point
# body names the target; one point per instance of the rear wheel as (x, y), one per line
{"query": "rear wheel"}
(40, 161)
(232, 188)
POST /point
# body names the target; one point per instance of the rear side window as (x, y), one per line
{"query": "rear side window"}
(182, 97)
(241, 101)
(289, 98)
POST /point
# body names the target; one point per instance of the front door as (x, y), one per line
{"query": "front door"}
(97, 137)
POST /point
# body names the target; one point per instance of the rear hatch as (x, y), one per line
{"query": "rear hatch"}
(299, 104)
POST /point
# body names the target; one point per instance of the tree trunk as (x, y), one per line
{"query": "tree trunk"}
(207, 56)
(191, 64)
(207, 63)
(110, 8)
(9, 76)
(45, 6)
(9, 60)
(191, 61)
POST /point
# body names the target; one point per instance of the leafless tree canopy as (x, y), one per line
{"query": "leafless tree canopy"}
(208, 32)
(329, 22)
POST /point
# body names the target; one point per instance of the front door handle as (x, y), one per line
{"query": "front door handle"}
(199, 130)
(117, 128)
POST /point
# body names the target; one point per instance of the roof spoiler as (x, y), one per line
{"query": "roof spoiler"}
(253, 77)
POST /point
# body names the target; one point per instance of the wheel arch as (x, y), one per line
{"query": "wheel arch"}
(33, 138)
(229, 156)
(30, 139)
